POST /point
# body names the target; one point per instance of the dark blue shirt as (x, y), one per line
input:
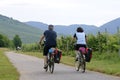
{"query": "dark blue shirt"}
(50, 38)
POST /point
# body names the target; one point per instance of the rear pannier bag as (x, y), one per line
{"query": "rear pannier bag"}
(57, 56)
(88, 55)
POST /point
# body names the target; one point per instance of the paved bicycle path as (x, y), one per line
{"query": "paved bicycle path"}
(31, 68)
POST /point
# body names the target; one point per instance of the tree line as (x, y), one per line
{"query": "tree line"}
(101, 42)
(6, 42)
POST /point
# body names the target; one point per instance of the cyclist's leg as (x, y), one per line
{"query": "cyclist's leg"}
(77, 51)
(46, 48)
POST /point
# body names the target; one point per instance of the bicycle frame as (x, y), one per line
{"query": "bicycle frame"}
(81, 60)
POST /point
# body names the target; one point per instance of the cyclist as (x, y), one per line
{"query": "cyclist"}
(80, 38)
(50, 42)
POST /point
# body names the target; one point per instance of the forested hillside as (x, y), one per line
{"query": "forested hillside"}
(111, 26)
(11, 27)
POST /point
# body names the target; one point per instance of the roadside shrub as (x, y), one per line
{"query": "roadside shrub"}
(30, 47)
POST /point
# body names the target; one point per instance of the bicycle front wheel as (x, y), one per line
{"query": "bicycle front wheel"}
(83, 64)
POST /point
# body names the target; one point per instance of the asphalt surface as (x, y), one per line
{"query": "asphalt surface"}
(31, 68)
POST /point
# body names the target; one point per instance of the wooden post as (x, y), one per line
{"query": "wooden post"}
(99, 42)
(118, 31)
(106, 33)
(67, 47)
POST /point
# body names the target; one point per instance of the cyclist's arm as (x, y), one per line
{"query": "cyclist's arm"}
(86, 39)
(41, 39)
(74, 37)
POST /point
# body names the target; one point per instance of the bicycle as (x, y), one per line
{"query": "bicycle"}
(51, 59)
(80, 63)
(50, 62)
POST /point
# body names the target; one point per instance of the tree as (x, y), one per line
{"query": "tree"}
(4, 41)
(1, 41)
(17, 41)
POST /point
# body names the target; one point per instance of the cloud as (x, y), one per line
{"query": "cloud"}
(93, 12)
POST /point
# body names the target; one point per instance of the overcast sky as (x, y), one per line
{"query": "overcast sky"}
(62, 12)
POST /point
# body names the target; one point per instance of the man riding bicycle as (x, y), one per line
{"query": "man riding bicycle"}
(50, 42)
(81, 39)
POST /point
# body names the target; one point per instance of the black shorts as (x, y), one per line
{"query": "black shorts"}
(77, 46)
(46, 49)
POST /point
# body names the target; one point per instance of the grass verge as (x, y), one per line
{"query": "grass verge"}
(7, 70)
(105, 66)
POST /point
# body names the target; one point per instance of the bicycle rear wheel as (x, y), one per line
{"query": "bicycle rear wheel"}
(51, 65)
(77, 65)
(77, 62)
(83, 64)
(83, 67)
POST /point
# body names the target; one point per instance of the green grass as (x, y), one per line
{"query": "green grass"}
(105, 63)
(7, 70)
(105, 66)
(68, 60)
(36, 54)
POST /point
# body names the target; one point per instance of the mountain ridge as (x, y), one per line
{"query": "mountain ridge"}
(110, 26)
(70, 29)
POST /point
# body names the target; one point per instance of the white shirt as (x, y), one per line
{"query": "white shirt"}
(80, 38)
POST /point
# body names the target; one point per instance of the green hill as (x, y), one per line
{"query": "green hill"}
(11, 27)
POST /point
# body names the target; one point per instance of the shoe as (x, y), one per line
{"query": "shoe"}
(45, 66)
(76, 59)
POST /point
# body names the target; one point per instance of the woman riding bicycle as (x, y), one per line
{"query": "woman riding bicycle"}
(81, 40)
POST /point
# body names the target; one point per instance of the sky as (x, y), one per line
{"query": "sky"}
(62, 12)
